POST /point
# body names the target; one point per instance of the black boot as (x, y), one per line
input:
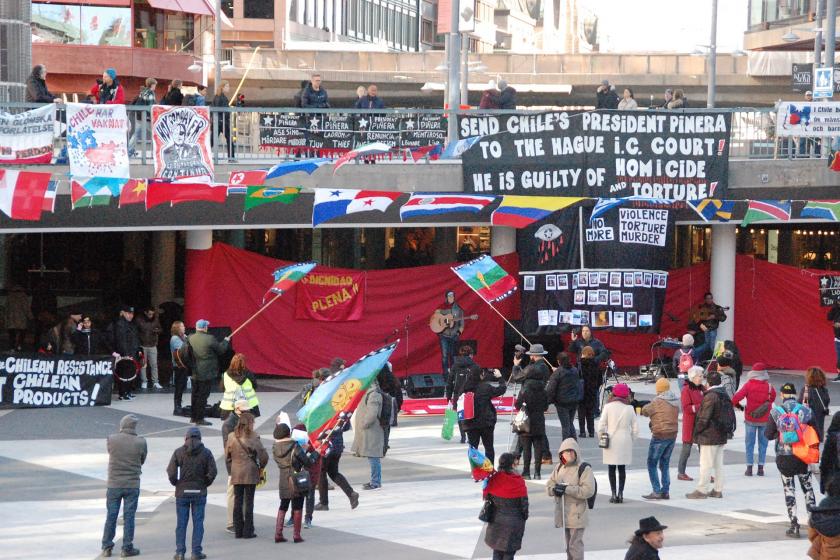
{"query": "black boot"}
(793, 531)
(613, 499)
(620, 498)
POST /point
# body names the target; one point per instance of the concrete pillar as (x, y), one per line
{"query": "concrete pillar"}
(723, 275)
(199, 239)
(502, 240)
(445, 244)
(163, 267)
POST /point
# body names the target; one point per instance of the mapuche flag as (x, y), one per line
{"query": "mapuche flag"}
(486, 278)
(286, 276)
(480, 466)
(336, 398)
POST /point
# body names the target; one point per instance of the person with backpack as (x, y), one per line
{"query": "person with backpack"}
(824, 524)
(573, 486)
(691, 396)
(830, 459)
(786, 426)
(713, 427)
(814, 395)
(460, 371)
(663, 411)
(481, 426)
(564, 391)
(684, 359)
(760, 396)
(617, 428)
(592, 379)
(508, 493)
(370, 435)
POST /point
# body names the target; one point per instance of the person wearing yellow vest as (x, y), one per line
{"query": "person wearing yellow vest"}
(239, 383)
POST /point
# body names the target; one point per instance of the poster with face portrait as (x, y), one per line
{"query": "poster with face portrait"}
(181, 139)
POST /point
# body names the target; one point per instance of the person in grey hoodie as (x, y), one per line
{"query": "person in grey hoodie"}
(663, 411)
(191, 470)
(126, 455)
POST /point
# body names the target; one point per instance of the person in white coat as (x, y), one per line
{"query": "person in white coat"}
(618, 422)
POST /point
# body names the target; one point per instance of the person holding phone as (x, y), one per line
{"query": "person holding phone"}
(579, 342)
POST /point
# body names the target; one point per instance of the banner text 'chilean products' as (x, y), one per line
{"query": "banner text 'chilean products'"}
(42, 381)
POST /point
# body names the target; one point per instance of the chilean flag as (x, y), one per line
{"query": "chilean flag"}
(334, 203)
(431, 204)
(22, 193)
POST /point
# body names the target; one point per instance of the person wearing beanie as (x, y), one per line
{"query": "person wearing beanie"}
(618, 423)
(790, 414)
(191, 470)
(814, 395)
(691, 396)
(663, 411)
(290, 458)
(126, 454)
(760, 395)
(684, 359)
(108, 90)
(713, 426)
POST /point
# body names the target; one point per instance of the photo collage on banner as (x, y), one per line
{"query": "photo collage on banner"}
(181, 139)
(97, 141)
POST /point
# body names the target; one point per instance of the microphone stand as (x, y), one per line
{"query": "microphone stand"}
(405, 327)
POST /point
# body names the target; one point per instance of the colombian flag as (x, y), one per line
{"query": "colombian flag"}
(522, 211)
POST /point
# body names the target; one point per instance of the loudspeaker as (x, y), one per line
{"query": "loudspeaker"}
(425, 386)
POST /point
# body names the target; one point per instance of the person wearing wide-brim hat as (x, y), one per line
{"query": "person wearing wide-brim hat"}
(536, 350)
(647, 540)
(534, 399)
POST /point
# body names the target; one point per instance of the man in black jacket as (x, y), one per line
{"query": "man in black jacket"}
(314, 96)
(607, 97)
(191, 470)
(126, 344)
(834, 318)
(87, 340)
(483, 423)
(507, 96)
(562, 390)
(459, 373)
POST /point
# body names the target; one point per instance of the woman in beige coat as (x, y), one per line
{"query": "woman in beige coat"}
(618, 421)
(245, 457)
(571, 488)
(369, 439)
(289, 457)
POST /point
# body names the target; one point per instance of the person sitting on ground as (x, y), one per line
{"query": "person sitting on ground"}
(647, 540)
(824, 524)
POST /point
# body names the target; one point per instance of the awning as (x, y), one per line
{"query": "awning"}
(199, 7)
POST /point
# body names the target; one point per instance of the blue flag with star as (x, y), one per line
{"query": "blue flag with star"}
(331, 203)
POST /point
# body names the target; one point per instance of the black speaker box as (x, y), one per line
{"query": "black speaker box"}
(425, 386)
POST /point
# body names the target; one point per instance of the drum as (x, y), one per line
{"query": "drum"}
(126, 369)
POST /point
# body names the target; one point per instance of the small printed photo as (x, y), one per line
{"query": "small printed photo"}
(664, 281)
(564, 318)
(576, 317)
(628, 279)
(615, 297)
(592, 297)
(574, 281)
(655, 283)
(584, 317)
(631, 320)
(550, 282)
(580, 297)
(648, 279)
(583, 279)
(638, 279)
(594, 279)
(627, 300)
(618, 319)
(601, 319)
(645, 320)
(603, 297)
(603, 277)
(529, 283)
(562, 281)
(615, 279)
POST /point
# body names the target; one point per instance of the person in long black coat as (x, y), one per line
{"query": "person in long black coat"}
(592, 380)
(535, 401)
(814, 395)
(483, 423)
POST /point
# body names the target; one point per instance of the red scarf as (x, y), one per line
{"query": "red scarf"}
(506, 485)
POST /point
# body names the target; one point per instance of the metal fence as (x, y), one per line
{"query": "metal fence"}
(752, 137)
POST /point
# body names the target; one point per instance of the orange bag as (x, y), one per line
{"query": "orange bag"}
(807, 449)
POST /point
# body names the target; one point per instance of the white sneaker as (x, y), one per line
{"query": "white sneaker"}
(144, 386)
(157, 386)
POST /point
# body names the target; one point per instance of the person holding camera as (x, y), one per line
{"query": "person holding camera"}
(572, 483)
(533, 398)
(509, 495)
(483, 423)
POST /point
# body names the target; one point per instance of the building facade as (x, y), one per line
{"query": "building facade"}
(15, 52)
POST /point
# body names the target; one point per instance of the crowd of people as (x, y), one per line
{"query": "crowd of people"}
(606, 97)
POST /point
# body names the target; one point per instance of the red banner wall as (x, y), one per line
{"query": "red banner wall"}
(225, 285)
(331, 297)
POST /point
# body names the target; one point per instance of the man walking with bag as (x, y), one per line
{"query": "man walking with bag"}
(571, 484)
(714, 426)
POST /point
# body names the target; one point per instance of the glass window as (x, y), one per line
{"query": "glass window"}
(81, 25)
(227, 8)
(259, 9)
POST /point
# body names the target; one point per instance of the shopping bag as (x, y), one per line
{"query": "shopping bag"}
(450, 417)
(466, 406)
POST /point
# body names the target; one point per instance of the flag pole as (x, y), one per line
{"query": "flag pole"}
(252, 317)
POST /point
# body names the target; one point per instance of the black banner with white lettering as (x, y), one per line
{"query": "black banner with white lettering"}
(43, 381)
(635, 235)
(829, 290)
(605, 154)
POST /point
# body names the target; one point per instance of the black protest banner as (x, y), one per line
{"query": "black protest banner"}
(423, 130)
(635, 235)
(829, 290)
(282, 130)
(550, 243)
(605, 154)
(623, 300)
(43, 381)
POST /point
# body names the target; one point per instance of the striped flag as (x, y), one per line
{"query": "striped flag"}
(522, 211)
(285, 277)
(49, 197)
(822, 210)
(433, 204)
(604, 205)
(767, 210)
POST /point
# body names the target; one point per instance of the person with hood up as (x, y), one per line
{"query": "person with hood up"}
(245, 456)
(691, 396)
(239, 383)
(814, 395)
(618, 422)
(824, 525)
(533, 398)
(370, 435)
(663, 411)
(830, 459)
(562, 391)
(711, 435)
(509, 495)
(507, 96)
(191, 470)
(592, 379)
(36, 86)
(728, 375)
(789, 465)
(108, 90)
(483, 423)
(460, 371)
(290, 458)
(647, 540)
(571, 484)
(760, 395)
(126, 454)
(606, 96)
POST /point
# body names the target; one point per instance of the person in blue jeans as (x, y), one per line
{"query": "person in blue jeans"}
(369, 440)
(663, 411)
(760, 396)
(191, 470)
(454, 317)
(126, 454)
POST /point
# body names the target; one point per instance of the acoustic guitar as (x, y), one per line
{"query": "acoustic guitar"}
(440, 322)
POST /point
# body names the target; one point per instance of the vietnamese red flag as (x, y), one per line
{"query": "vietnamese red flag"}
(133, 192)
(160, 192)
(255, 178)
(22, 193)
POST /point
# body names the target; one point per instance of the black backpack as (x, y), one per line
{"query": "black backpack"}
(386, 415)
(726, 419)
(591, 500)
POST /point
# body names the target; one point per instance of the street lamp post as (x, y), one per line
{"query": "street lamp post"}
(830, 29)
(712, 91)
(217, 37)
(453, 58)
(818, 37)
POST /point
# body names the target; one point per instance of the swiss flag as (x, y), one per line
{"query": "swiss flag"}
(22, 193)
(254, 178)
(184, 190)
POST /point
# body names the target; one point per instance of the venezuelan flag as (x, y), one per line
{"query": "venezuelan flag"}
(522, 211)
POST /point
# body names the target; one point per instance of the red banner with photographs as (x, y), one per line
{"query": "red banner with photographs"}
(331, 296)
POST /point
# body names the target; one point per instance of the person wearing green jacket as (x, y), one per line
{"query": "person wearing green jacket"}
(205, 353)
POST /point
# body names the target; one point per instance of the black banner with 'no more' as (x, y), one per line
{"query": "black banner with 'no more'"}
(673, 155)
(43, 381)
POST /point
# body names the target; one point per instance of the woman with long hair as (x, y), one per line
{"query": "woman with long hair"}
(690, 398)
(180, 373)
(618, 422)
(760, 396)
(815, 396)
(628, 101)
(509, 495)
(245, 457)
(290, 458)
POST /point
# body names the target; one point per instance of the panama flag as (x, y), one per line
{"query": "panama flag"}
(432, 204)
(22, 193)
(334, 203)
(764, 210)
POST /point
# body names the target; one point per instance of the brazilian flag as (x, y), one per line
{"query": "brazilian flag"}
(257, 196)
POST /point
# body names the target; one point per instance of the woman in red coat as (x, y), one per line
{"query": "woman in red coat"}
(760, 396)
(690, 399)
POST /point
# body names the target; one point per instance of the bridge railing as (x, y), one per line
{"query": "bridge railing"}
(752, 135)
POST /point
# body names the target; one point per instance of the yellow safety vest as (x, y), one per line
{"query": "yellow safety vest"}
(232, 387)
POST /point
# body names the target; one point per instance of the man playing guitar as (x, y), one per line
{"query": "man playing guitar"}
(454, 317)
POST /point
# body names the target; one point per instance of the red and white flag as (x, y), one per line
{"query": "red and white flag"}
(22, 193)
(253, 178)
(183, 190)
